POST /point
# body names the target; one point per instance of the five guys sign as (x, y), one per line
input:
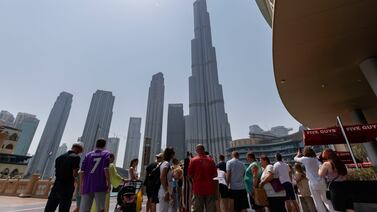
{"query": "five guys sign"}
(333, 135)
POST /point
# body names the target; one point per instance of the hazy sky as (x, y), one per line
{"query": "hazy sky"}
(80, 46)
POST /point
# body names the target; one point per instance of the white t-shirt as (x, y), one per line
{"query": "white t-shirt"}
(169, 175)
(220, 177)
(281, 170)
(311, 168)
(268, 187)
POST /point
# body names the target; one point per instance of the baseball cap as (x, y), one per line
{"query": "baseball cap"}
(159, 155)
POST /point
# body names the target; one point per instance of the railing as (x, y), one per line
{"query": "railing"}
(33, 187)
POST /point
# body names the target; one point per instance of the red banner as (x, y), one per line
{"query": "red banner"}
(333, 135)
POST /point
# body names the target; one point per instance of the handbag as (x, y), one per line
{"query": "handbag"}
(276, 185)
(260, 197)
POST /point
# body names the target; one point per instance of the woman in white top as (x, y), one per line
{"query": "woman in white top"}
(276, 200)
(165, 194)
(132, 171)
(317, 184)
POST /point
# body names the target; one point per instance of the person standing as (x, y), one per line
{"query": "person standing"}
(115, 179)
(152, 184)
(186, 184)
(95, 177)
(302, 183)
(133, 170)
(317, 184)
(282, 171)
(275, 199)
(235, 172)
(252, 175)
(67, 166)
(202, 170)
(165, 194)
(222, 164)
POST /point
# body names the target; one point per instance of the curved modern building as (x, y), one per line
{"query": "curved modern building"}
(324, 55)
(262, 144)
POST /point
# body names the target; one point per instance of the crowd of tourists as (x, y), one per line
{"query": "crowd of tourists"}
(197, 183)
(257, 184)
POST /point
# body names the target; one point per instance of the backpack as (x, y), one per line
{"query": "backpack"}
(154, 178)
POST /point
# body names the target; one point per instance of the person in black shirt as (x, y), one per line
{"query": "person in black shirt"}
(152, 191)
(222, 164)
(67, 166)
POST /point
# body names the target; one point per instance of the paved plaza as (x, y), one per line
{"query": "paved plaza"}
(16, 204)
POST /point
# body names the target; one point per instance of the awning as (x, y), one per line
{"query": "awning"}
(333, 135)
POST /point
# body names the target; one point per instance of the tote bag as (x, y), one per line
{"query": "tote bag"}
(260, 197)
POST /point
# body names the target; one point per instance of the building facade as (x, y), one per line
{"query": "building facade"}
(133, 141)
(112, 146)
(98, 120)
(176, 130)
(28, 124)
(8, 139)
(207, 122)
(153, 120)
(52, 134)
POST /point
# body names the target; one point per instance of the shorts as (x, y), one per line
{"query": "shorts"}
(288, 187)
(240, 199)
(87, 201)
(152, 195)
(252, 203)
(224, 191)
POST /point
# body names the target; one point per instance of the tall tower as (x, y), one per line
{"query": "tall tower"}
(98, 121)
(133, 141)
(176, 130)
(153, 121)
(52, 134)
(112, 146)
(207, 122)
(28, 124)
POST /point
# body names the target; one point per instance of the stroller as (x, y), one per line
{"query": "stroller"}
(130, 197)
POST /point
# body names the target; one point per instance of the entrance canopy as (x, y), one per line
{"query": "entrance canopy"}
(333, 135)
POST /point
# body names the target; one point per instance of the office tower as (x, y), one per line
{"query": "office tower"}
(112, 146)
(176, 130)
(133, 141)
(153, 121)
(52, 134)
(98, 121)
(61, 150)
(6, 118)
(28, 124)
(207, 121)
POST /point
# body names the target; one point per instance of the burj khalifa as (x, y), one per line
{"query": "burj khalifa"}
(207, 122)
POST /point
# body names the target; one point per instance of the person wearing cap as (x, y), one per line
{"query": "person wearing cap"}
(152, 192)
(67, 166)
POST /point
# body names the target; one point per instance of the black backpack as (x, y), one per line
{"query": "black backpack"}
(154, 178)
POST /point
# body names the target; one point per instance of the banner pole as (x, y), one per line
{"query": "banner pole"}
(348, 143)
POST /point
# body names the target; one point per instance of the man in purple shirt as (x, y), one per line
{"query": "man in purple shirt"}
(95, 180)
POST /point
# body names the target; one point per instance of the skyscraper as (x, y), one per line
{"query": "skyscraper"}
(176, 130)
(6, 118)
(112, 146)
(52, 134)
(133, 141)
(61, 150)
(153, 121)
(98, 121)
(207, 122)
(28, 124)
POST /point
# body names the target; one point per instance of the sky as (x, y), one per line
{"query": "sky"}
(79, 46)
